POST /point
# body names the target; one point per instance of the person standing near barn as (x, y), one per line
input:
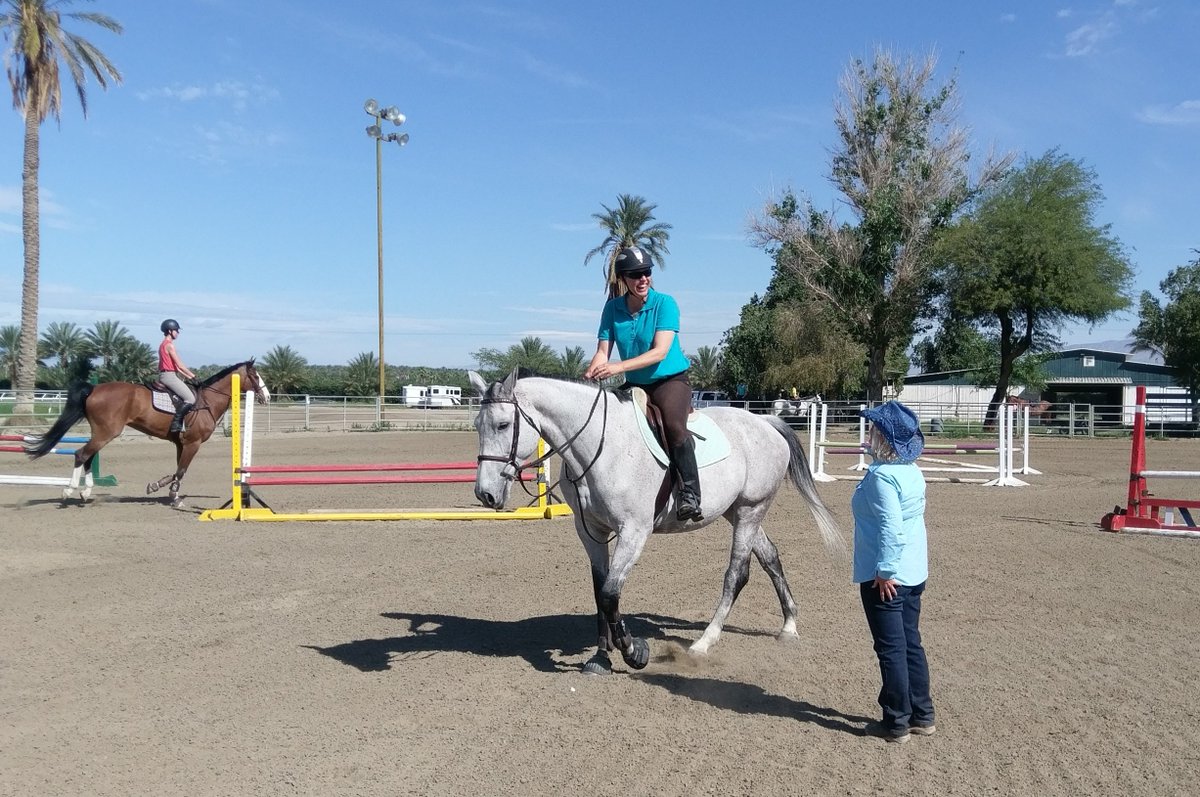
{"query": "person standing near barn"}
(645, 326)
(170, 369)
(891, 566)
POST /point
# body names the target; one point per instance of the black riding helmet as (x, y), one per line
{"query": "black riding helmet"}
(632, 258)
(169, 325)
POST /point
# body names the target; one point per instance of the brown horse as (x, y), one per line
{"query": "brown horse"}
(112, 406)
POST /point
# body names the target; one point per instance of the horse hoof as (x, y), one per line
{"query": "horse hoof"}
(598, 665)
(176, 502)
(152, 487)
(86, 495)
(638, 655)
(68, 494)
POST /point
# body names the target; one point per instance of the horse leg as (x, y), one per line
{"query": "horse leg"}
(745, 521)
(630, 541)
(597, 553)
(183, 458)
(81, 474)
(768, 556)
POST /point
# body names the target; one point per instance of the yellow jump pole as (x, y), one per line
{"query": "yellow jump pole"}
(234, 511)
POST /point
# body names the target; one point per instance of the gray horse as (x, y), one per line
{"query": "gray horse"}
(609, 478)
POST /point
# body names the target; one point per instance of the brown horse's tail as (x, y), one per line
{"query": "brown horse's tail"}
(72, 414)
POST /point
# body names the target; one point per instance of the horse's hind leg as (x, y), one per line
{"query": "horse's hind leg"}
(81, 474)
(745, 527)
(768, 556)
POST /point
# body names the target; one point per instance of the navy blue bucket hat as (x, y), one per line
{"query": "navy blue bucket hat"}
(900, 427)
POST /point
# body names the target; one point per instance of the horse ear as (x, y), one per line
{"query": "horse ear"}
(510, 383)
(477, 382)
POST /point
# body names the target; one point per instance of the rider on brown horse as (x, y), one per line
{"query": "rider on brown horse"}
(170, 368)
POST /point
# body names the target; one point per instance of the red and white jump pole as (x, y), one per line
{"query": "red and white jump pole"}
(1143, 513)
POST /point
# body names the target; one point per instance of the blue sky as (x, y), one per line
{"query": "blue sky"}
(229, 181)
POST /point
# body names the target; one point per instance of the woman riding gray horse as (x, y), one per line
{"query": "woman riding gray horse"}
(610, 478)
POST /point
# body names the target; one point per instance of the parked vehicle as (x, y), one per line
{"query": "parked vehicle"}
(441, 396)
(709, 398)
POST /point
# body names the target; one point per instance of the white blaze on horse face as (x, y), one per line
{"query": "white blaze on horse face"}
(495, 426)
(262, 388)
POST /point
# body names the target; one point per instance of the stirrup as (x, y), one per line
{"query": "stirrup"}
(689, 511)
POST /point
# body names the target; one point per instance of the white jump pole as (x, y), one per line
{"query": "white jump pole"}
(1005, 478)
(1025, 469)
(816, 442)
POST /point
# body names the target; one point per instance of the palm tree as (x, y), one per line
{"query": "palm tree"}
(362, 375)
(629, 225)
(37, 43)
(573, 362)
(285, 370)
(63, 341)
(105, 338)
(706, 364)
(10, 346)
(133, 361)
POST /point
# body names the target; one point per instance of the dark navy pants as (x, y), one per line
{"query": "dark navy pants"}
(895, 628)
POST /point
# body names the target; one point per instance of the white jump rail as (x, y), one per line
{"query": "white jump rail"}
(1004, 469)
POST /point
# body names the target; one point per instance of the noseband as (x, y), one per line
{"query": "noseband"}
(512, 468)
(511, 460)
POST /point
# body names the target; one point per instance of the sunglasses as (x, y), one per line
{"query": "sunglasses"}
(637, 275)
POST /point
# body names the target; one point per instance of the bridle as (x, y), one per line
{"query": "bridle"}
(512, 468)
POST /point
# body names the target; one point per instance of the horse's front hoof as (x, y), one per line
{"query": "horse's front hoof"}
(68, 494)
(638, 655)
(598, 665)
(152, 487)
(176, 501)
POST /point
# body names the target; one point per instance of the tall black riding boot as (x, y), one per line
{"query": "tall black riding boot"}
(177, 421)
(683, 456)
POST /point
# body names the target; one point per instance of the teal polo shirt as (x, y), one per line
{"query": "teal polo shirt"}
(634, 335)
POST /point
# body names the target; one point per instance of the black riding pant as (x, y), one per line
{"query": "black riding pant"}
(673, 397)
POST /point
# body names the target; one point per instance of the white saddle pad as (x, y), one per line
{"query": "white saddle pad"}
(162, 401)
(711, 443)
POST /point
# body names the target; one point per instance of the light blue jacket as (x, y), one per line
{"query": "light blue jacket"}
(889, 525)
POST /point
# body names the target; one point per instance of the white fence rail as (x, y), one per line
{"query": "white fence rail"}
(297, 413)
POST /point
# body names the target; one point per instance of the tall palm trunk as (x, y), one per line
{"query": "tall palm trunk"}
(26, 379)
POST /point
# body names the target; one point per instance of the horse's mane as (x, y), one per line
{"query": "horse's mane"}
(226, 371)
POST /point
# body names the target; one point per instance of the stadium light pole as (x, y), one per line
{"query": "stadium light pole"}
(375, 131)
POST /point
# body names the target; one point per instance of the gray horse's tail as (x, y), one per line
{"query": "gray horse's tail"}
(73, 413)
(801, 476)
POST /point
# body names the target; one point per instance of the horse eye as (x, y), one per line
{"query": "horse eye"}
(501, 427)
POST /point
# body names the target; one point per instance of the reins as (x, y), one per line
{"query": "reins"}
(511, 460)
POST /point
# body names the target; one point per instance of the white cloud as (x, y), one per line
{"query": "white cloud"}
(1085, 39)
(588, 226)
(236, 93)
(1008, 17)
(1183, 113)
(1063, 13)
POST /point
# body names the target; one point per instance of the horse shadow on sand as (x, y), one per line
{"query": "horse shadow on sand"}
(429, 634)
(528, 638)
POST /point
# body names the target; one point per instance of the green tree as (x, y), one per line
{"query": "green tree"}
(10, 347)
(284, 370)
(37, 44)
(628, 224)
(105, 339)
(1173, 330)
(362, 375)
(901, 166)
(572, 362)
(531, 354)
(132, 361)
(956, 345)
(704, 373)
(1031, 257)
(63, 340)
